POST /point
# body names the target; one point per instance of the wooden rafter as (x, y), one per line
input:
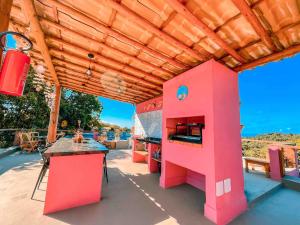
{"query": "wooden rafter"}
(69, 73)
(36, 54)
(181, 9)
(82, 81)
(127, 13)
(274, 57)
(105, 84)
(97, 41)
(99, 88)
(99, 75)
(103, 69)
(36, 30)
(93, 91)
(104, 61)
(82, 90)
(94, 22)
(5, 8)
(253, 20)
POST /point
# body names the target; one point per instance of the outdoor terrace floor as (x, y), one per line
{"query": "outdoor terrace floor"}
(132, 197)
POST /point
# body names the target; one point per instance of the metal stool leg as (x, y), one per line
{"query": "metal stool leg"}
(43, 174)
(38, 181)
(105, 169)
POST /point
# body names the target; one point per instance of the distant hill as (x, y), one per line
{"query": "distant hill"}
(114, 126)
(259, 149)
(278, 137)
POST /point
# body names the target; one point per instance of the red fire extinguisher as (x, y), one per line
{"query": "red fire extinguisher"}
(15, 65)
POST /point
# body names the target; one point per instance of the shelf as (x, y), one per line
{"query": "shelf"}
(157, 160)
(141, 152)
(185, 143)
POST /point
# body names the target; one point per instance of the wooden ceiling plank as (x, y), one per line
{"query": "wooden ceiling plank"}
(182, 10)
(36, 55)
(5, 9)
(62, 72)
(96, 24)
(94, 92)
(71, 57)
(94, 40)
(98, 88)
(76, 75)
(273, 57)
(99, 58)
(29, 11)
(81, 69)
(128, 13)
(247, 12)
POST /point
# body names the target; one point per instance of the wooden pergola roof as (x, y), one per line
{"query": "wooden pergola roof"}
(139, 44)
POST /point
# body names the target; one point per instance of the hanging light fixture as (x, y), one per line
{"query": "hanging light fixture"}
(89, 70)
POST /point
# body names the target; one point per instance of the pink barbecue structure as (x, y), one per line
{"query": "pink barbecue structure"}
(215, 166)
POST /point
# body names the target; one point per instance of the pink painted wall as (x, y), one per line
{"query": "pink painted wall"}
(73, 181)
(212, 98)
(150, 105)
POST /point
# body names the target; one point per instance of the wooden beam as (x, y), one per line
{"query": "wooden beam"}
(85, 91)
(247, 12)
(100, 68)
(5, 8)
(93, 91)
(129, 14)
(181, 9)
(61, 71)
(72, 66)
(98, 94)
(82, 80)
(97, 41)
(104, 93)
(97, 24)
(83, 52)
(52, 128)
(29, 11)
(274, 57)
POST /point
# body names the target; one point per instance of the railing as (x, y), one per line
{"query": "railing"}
(7, 136)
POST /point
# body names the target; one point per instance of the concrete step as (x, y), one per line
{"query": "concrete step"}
(7, 151)
(264, 195)
(291, 182)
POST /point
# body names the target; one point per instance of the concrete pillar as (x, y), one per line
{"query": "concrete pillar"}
(276, 162)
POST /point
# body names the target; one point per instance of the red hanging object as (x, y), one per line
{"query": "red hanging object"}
(14, 72)
(14, 69)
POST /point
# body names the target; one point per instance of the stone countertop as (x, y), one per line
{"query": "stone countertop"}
(66, 146)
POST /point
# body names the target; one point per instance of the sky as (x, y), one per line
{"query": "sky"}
(117, 112)
(269, 95)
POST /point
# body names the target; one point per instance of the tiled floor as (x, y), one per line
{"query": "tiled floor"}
(132, 197)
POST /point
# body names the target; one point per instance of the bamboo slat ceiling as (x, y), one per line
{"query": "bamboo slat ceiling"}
(139, 44)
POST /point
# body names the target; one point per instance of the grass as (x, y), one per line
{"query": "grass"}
(260, 149)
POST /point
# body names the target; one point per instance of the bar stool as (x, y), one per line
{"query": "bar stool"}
(44, 169)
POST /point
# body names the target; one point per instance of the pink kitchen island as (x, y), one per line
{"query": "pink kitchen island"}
(75, 174)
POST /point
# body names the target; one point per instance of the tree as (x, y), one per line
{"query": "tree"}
(31, 110)
(78, 106)
(27, 111)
